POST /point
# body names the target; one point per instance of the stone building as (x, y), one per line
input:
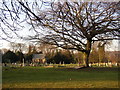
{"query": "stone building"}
(38, 58)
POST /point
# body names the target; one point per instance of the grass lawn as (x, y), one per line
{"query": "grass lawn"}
(37, 77)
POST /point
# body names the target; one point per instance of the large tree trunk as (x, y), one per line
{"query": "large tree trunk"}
(87, 53)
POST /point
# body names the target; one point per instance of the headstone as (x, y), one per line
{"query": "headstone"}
(63, 63)
(46, 63)
(60, 63)
(106, 64)
(110, 64)
(98, 64)
(23, 63)
(90, 64)
(50, 63)
(116, 64)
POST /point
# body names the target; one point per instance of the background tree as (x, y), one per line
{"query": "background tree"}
(4, 50)
(29, 55)
(113, 56)
(13, 47)
(78, 57)
(9, 57)
(20, 56)
(49, 56)
(48, 50)
(98, 52)
(75, 25)
(70, 25)
(101, 50)
(94, 56)
(62, 56)
(28, 58)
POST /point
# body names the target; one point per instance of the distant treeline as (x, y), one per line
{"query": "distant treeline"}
(61, 56)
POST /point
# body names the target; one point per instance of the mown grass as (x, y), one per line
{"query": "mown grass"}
(37, 77)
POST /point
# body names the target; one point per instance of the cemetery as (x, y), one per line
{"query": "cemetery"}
(40, 73)
(59, 44)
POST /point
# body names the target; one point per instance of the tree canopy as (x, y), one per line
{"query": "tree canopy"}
(9, 57)
(70, 25)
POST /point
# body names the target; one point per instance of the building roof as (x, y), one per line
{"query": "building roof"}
(38, 56)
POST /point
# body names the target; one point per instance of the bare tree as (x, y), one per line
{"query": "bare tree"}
(77, 25)
(70, 25)
(94, 56)
(101, 50)
(18, 47)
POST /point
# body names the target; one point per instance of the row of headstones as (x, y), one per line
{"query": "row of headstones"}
(22, 64)
(36, 64)
(104, 64)
(11, 65)
(109, 64)
(90, 64)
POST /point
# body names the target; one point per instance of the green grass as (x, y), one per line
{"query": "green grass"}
(37, 77)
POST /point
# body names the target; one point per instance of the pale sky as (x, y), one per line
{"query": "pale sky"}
(5, 44)
(113, 47)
